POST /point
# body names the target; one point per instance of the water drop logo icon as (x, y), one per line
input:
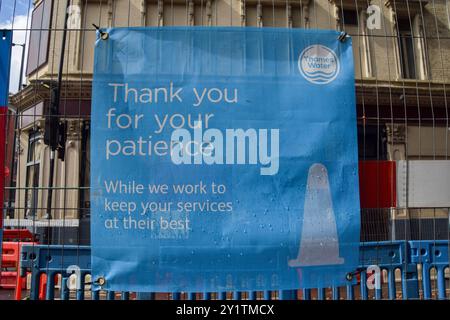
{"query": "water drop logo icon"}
(319, 243)
(318, 64)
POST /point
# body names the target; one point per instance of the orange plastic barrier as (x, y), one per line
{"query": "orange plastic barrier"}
(42, 286)
(10, 254)
(22, 235)
(10, 279)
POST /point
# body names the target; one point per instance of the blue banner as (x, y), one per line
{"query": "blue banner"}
(223, 159)
(5, 60)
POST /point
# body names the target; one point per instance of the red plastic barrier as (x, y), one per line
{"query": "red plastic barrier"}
(9, 280)
(10, 254)
(377, 184)
(17, 235)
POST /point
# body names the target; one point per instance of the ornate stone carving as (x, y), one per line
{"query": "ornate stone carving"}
(73, 132)
(395, 134)
(411, 9)
(20, 148)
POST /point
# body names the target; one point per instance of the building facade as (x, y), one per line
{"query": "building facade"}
(402, 72)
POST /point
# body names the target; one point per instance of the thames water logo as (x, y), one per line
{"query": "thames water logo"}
(318, 64)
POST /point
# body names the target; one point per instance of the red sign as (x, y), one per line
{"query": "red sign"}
(377, 184)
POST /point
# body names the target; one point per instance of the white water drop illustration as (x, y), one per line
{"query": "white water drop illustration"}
(319, 243)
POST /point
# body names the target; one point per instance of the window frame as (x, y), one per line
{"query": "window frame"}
(407, 49)
(34, 166)
(41, 37)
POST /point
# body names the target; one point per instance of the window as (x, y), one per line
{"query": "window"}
(32, 175)
(372, 142)
(406, 49)
(39, 35)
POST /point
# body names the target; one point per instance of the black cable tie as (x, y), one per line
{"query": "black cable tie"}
(342, 36)
(100, 281)
(349, 276)
(103, 35)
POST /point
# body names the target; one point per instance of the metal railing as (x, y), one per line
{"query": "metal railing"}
(399, 117)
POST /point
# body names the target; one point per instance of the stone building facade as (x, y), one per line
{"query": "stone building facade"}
(402, 71)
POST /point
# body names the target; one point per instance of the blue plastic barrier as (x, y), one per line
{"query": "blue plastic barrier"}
(429, 255)
(52, 260)
(406, 256)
